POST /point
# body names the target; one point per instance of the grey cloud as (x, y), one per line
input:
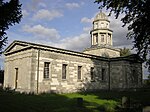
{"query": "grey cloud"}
(42, 32)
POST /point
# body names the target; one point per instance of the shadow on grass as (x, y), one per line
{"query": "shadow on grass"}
(100, 101)
(11, 101)
(141, 96)
(138, 98)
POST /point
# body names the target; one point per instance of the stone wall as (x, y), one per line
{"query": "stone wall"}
(21, 60)
(122, 76)
(104, 52)
(56, 84)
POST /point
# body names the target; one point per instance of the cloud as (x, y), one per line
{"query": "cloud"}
(47, 15)
(119, 33)
(75, 43)
(87, 29)
(33, 4)
(43, 5)
(25, 13)
(72, 5)
(42, 32)
(86, 20)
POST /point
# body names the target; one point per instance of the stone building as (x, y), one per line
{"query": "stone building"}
(31, 67)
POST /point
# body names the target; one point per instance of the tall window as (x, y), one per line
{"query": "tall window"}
(79, 72)
(92, 74)
(103, 74)
(96, 37)
(102, 38)
(64, 71)
(46, 70)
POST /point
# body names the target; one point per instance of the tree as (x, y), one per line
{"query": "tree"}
(10, 14)
(137, 18)
(125, 52)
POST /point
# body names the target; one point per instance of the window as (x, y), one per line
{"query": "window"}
(79, 72)
(102, 38)
(103, 74)
(46, 70)
(96, 37)
(92, 74)
(64, 71)
(16, 80)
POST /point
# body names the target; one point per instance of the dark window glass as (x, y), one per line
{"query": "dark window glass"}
(92, 74)
(103, 74)
(79, 72)
(64, 71)
(46, 69)
(102, 38)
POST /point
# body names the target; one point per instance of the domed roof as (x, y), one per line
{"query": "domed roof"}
(101, 16)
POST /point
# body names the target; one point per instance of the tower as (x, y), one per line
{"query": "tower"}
(101, 38)
(101, 35)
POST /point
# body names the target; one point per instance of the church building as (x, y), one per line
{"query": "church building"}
(31, 67)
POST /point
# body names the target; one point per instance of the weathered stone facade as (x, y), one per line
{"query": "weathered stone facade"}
(29, 59)
(31, 67)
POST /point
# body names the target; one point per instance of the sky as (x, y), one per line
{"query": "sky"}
(63, 24)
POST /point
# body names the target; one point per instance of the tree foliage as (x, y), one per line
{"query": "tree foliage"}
(10, 14)
(125, 52)
(137, 18)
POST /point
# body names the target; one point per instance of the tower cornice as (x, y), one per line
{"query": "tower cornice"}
(101, 29)
(101, 20)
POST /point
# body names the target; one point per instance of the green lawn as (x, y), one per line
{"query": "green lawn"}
(103, 101)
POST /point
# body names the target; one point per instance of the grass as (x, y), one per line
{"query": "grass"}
(102, 101)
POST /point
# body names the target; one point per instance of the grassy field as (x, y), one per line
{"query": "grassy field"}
(103, 101)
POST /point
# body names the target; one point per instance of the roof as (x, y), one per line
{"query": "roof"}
(29, 45)
(93, 47)
(101, 16)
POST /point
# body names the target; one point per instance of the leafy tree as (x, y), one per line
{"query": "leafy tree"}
(10, 14)
(137, 18)
(125, 52)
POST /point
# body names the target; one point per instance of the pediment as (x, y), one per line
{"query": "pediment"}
(15, 46)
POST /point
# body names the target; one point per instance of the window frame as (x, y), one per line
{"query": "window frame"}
(96, 37)
(92, 74)
(64, 71)
(79, 75)
(102, 38)
(46, 72)
(103, 73)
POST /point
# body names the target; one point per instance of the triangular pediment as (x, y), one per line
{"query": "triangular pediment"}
(15, 46)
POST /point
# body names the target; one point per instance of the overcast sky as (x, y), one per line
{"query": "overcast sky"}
(62, 23)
